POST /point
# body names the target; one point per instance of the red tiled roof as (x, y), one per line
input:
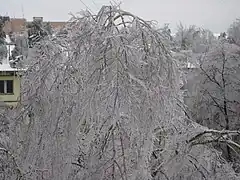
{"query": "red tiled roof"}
(18, 25)
(15, 25)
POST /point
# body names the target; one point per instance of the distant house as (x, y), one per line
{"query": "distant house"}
(57, 25)
(10, 81)
(19, 25)
(53, 24)
(15, 25)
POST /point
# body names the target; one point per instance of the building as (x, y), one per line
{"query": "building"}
(10, 80)
(57, 25)
(19, 25)
(10, 83)
(15, 25)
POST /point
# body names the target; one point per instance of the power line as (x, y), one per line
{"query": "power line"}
(86, 6)
(116, 3)
(95, 4)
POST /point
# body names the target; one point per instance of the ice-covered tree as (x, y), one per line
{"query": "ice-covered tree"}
(48, 28)
(216, 102)
(99, 102)
(193, 38)
(234, 32)
(36, 32)
(3, 48)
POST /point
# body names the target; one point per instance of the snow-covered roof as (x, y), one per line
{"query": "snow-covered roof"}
(216, 34)
(5, 67)
(8, 68)
(190, 65)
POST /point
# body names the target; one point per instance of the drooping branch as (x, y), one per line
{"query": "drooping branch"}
(215, 136)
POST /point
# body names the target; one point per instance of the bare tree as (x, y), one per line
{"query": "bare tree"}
(234, 32)
(194, 38)
(216, 103)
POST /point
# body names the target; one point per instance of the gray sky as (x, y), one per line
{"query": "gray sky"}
(215, 15)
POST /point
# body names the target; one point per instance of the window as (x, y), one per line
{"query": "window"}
(6, 86)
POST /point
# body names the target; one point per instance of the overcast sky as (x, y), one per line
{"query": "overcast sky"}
(215, 15)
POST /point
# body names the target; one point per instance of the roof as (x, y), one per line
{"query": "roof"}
(58, 24)
(16, 25)
(6, 67)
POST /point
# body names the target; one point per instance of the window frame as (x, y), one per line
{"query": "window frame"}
(5, 87)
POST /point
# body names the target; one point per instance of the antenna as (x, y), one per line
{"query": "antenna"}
(22, 11)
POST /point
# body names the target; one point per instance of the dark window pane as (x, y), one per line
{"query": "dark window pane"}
(10, 86)
(1, 86)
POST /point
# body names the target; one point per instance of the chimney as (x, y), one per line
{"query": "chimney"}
(38, 19)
